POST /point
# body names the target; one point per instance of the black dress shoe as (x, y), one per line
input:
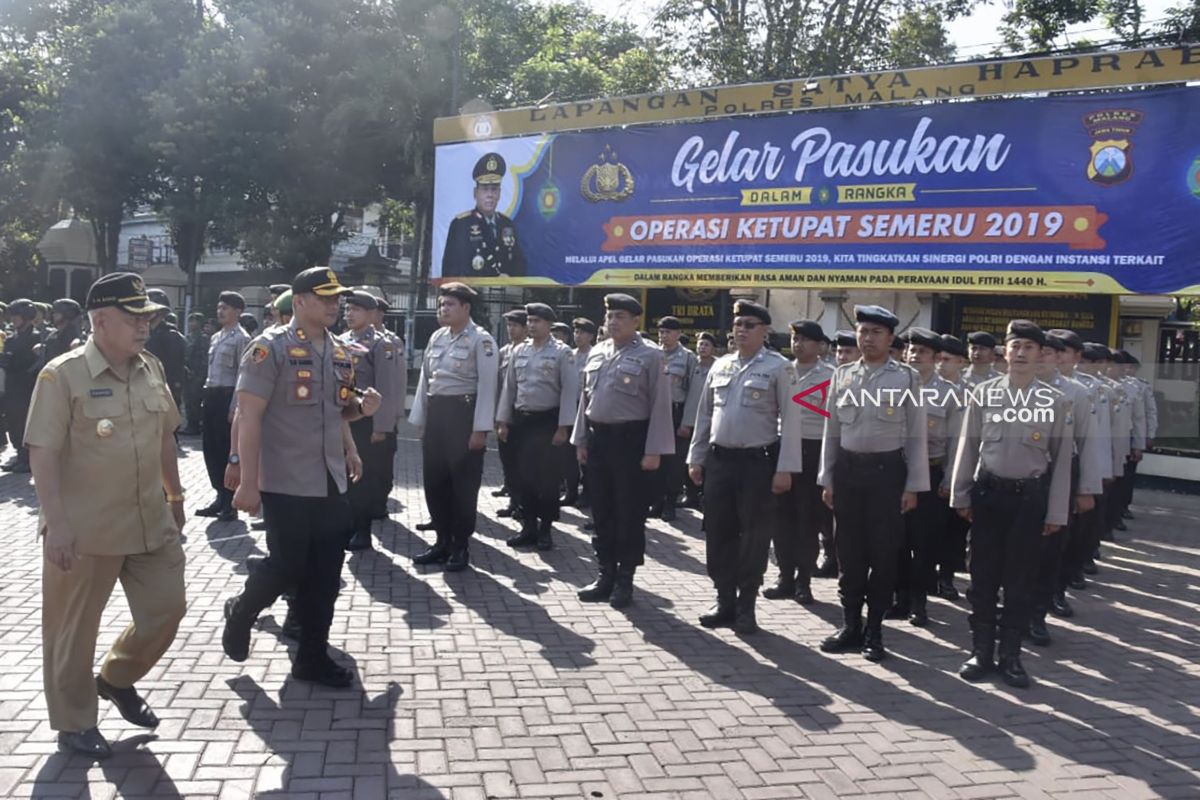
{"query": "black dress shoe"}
(746, 623)
(946, 590)
(545, 540)
(434, 555)
(1090, 568)
(258, 525)
(324, 671)
(919, 617)
(90, 743)
(526, 538)
(361, 540)
(1120, 525)
(804, 595)
(507, 511)
(1013, 673)
(622, 591)
(872, 648)
(501, 492)
(977, 667)
(1059, 606)
(599, 590)
(1077, 582)
(722, 615)
(1038, 633)
(210, 510)
(458, 560)
(782, 590)
(1127, 514)
(129, 703)
(846, 639)
(424, 526)
(227, 515)
(235, 638)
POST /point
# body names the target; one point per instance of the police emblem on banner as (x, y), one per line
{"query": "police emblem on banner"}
(608, 179)
(1111, 151)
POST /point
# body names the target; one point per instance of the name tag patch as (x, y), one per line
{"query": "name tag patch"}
(100, 393)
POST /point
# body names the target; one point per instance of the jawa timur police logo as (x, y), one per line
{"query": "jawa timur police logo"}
(1111, 160)
(608, 179)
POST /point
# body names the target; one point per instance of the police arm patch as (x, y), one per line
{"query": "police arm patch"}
(258, 353)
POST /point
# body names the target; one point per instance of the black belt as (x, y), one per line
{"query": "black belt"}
(523, 414)
(851, 457)
(1014, 485)
(451, 398)
(937, 462)
(742, 453)
(618, 427)
(219, 388)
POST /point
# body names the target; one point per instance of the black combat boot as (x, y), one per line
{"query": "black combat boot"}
(599, 590)
(1039, 634)
(746, 623)
(622, 591)
(803, 594)
(850, 635)
(1010, 660)
(724, 613)
(919, 615)
(545, 535)
(872, 648)
(983, 649)
(784, 588)
(1059, 606)
(527, 537)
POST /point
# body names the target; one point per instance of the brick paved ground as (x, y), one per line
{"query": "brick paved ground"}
(498, 683)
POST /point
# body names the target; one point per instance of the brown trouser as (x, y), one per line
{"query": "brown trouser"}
(72, 604)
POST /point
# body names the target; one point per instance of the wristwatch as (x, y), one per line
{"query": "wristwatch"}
(235, 460)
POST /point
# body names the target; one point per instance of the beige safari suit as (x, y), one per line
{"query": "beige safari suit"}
(108, 434)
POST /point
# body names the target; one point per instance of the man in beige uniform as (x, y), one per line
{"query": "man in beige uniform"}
(100, 432)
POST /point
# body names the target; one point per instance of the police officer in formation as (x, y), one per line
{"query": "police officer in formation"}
(516, 321)
(622, 430)
(68, 329)
(224, 355)
(706, 356)
(168, 344)
(952, 555)
(298, 379)
(195, 371)
(680, 364)
(804, 519)
(585, 338)
(454, 409)
(981, 350)
(373, 357)
(392, 412)
(846, 351)
(538, 405)
(874, 463)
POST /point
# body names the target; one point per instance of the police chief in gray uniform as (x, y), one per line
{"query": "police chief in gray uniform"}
(622, 429)
(455, 407)
(295, 398)
(738, 453)
(536, 411)
(1012, 480)
(874, 462)
(680, 364)
(804, 517)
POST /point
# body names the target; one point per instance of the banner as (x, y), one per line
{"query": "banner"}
(1093, 317)
(1081, 194)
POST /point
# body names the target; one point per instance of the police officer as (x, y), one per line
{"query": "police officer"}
(372, 369)
(706, 356)
(224, 353)
(1124, 436)
(536, 410)
(455, 407)
(68, 330)
(846, 351)
(738, 452)
(515, 320)
(482, 242)
(874, 462)
(1123, 371)
(1091, 372)
(981, 349)
(585, 337)
(562, 332)
(953, 556)
(168, 344)
(1012, 480)
(295, 398)
(20, 360)
(925, 527)
(680, 364)
(103, 456)
(622, 430)
(804, 518)
(195, 371)
(391, 413)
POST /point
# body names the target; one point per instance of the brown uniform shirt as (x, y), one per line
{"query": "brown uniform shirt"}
(108, 433)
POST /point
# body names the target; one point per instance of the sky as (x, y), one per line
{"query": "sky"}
(974, 36)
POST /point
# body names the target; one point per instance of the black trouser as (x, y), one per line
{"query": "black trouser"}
(572, 471)
(508, 466)
(619, 492)
(740, 515)
(867, 488)
(1050, 577)
(217, 401)
(1114, 503)
(1127, 486)
(535, 480)
(193, 400)
(1099, 528)
(16, 410)
(953, 554)
(306, 540)
(382, 475)
(672, 469)
(801, 517)
(362, 495)
(1006, 539)
(924, 529)
(453, 471)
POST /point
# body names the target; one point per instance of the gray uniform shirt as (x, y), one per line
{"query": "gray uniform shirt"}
(812, 423)
(399, 364)
(225, 350)
(306, 392)
(374, 355)
(680, 364)
(539, 379)
(941, 408)
(695, 389)
(875, 410)
(1122, 424)
(1137, 405)
(1151, 409)
(627, 384)
(455, 365)
(1100, 402)
(748, 403)
(970, 378)
(1087, 448)
(991, 444)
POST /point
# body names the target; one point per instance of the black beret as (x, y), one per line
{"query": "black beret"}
(706, 336)
(277, 289)
(923, 337)
(197, 315)
(1131, 359)
(459, 291)
(516, 316)
(845, 339)
(1094, 351)
(232, 299)
(159, 296)
(953, 345)
(749, 308)
(123, 290)
(562, 327)
(808, 329)
(897, 343)
(541, 311)
(1069, 338)
(584, 324)
(670, 323)
(981, 339)
(876, 314)
(321, 281)
(1055, 343)
(248, 322)
(622, 302)
(23, 308)
(1122, 357)
(67, 307)
(362, 299)
(381, 304)
(489, 170)
(1024, 329)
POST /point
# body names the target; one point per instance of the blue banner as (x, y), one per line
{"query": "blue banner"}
(1096, 193)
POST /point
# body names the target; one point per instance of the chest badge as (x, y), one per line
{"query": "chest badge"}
(891, 411)
(626, 379)
(1037, 436)
(303, 391)
(105, 428)
(756, 395)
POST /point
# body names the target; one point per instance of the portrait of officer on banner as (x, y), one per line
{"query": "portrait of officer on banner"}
(482, 242)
